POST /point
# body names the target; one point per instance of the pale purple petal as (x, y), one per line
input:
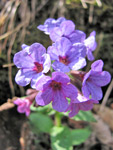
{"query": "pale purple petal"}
(45, 97)
(50, 24)
(60, 77)
(67, 27)
(43, 83)
(74, 110)
(46, 63)
(88, 105)
(53, 52)
(90, 55)
(77, 36)
(93, 33)
(81, 98)
(85, 106)
(58, 66)
(97, 66)
(23, 60)
(95, 91)
(23, 46)
(78, 50)
(87, 75)
(90, 43)
(69, 91)
(37, 50)
(55, 34)
(78, 64)
(35, 79)
(60, 103)
(85, 90)
(21, 79)
(61, 46)
(101, 78)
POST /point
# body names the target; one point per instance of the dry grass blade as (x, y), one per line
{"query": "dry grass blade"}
(43, 3)
(106, 96)
(7, 65)
(33, 6)
(10, 68)
(12, 31)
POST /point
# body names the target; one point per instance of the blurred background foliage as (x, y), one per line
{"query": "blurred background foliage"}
(18, 24)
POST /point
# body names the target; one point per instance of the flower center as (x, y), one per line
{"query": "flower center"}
(55, 85)
(64, 60)
(38, 67)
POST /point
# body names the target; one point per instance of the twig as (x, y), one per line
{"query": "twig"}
(99, 3)
(91, 10)
(12, 31)
(84, 3)
(106, 96)
(10, 68)
(8, 65)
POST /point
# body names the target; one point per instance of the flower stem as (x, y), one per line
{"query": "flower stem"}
(57, 119)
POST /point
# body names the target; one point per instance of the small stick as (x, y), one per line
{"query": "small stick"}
(8, 65)
(106, 95)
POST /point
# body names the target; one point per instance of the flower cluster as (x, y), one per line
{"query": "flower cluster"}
(49, 71)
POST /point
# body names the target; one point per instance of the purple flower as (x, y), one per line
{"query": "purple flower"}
(50, 24)
(32, 62)
(67, 56)
(67, 29)
(91, 45)
(81, 103)
(94, 79)
(56, 90)
(23, 105)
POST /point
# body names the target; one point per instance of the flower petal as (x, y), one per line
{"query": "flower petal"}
(90, 55)
(78, 50)
(23, 60)
(37, 50)
(58, 66)
(59, 103)
(69, 91)
(35, 79)
(21, 79)
(45, 97)
(46, 63)
(60, 77)
(95, 91)
(43, 83)
(55, 34)
(97, 66)
(74, 109)
(85, 90)
(78, 64)
(77, 36)
(100, 79)
(67, 27)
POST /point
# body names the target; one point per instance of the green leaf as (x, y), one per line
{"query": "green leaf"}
(60, 139)
(63, 138)
(43, 109)
(41, 122)
(79, 136)
(84, 115)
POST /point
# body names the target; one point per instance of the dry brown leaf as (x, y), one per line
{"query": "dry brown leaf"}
(8, 105)
(102, 131)
(106, 115)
